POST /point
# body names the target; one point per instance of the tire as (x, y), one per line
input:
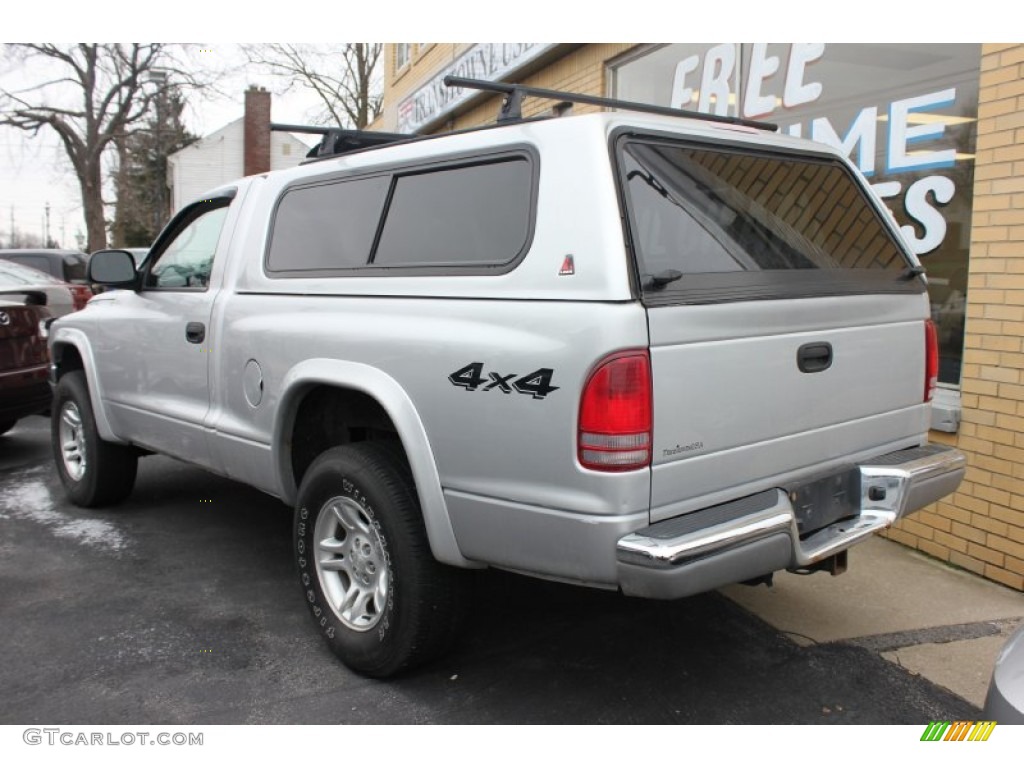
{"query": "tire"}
(95, 473)
(383, 603)
(7, 426)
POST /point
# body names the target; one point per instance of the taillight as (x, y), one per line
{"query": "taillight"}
(615, 414)
(931, 356)
(80, 295)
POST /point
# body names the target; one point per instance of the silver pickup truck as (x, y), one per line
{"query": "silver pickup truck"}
(641, 353)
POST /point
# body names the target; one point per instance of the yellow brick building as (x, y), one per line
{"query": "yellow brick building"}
(937, 129)
(981, 528)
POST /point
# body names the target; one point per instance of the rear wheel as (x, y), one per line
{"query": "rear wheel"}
(383, 603)
(94, 472)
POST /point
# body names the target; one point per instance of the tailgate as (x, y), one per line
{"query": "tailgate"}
(787, 321)
(749, 394)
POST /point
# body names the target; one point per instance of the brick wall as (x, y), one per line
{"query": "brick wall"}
(981, 527)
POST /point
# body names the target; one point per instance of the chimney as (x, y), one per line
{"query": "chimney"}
(257, 131)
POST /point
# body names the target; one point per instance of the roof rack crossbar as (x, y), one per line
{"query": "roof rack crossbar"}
(338, 141)
(511, 108)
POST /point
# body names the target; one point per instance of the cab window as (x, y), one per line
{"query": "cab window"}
(187, 260)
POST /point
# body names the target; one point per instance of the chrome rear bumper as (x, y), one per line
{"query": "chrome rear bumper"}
(757, 535)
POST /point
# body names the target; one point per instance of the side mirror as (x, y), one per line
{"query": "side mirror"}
(113, 268)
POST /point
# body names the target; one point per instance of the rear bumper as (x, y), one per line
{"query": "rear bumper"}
(757, 535)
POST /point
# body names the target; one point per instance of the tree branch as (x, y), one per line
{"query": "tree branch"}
(349, 94)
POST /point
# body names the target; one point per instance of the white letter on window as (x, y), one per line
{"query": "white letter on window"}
(762, 66)
(716, 83)
(681, 94)
(921, 210)
(797, 92)
(885, 190)
(900, 132)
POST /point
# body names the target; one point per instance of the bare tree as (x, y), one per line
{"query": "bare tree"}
(344, 76)
(89, 94)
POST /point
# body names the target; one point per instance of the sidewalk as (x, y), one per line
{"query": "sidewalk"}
(936, 621)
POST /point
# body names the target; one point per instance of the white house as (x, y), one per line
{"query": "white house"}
(241, 148)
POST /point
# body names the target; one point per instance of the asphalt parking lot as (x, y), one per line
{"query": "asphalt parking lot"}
(181, 606)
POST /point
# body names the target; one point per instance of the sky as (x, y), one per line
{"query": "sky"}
(36, 172)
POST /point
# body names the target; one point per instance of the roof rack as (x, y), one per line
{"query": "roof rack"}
(512, 104)
(338, 141)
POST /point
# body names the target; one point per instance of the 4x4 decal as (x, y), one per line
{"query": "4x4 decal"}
(536, 384)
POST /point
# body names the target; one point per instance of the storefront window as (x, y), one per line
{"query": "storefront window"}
(906, 115)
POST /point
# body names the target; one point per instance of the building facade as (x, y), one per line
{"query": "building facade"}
(937, 129)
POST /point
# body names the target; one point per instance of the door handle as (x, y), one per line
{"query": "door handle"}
(195, 333)
(814, 357)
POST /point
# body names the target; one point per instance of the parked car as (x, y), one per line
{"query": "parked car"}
(67, 265)
(1005, 701)
(62, 298)
(24, 360)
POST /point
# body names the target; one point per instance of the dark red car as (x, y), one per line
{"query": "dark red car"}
(24, 360)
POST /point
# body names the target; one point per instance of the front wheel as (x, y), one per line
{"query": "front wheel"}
(95, 473)
(382, 602)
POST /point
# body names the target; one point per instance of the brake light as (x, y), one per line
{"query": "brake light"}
(80, 295)
(931, 356)
(615, 414)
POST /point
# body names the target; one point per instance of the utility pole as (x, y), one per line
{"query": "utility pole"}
(46, 241)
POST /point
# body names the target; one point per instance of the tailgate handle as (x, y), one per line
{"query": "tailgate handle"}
(814, 357)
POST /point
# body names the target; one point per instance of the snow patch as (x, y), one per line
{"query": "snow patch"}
(31, 500)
